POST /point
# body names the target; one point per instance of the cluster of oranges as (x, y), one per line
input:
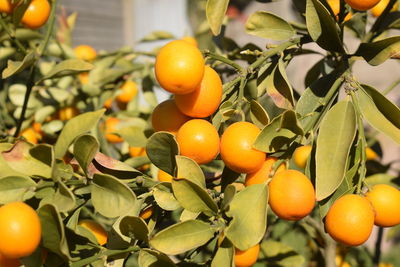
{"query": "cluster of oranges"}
(375, 6)
(35, 16)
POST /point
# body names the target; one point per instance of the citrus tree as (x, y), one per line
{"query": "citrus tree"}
(237, 168)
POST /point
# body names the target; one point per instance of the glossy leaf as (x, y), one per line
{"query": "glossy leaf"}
(14, 67)
(224, 255)
(267, 25)
(182, 237)
(150, 258)
(63, 198)
(322, 27)
(376, 53)
(375, 117)
(192, 197)
(215, 11)
(15, 188)
(66, 68)
(334, 148)
(85, 149)
(134, 227)
(75, 127)
(248, 225)
(190, 170)
(110, 197)
(258, 114)
(161, 149)
(134, 135)
(164, 197)
(17, 93)
(280, 254)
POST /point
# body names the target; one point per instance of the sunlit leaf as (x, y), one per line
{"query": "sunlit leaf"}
(215, 11)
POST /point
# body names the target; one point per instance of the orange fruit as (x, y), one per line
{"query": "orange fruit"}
(237, 150)
(362, 5)
(30, 135)
(146, 213)
(167, 117)
(199, 140)
(84, 77)
(85, 52)
(111, 128)
(377, 10)
(67, 113)
(96, 229)
(179, 67)
(108, 103)
(371, 154)
(6, 6)
(385, 200)
(5, 262)
(335, 6)
(37, 14)
(350, 220)
(163, 176)
(137, 151)
(128, 91)
(263, 174)
(291, 195)
(191, 40)
(301, 155)
(20, 230)
(247, 257)
(203, 101)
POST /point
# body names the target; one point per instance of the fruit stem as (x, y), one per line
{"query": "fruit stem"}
(225, 60)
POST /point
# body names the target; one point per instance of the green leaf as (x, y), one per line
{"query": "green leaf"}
(150, 258)
(229, 194)
(322, 27)
(133, 135)
(279, 254)
(375, 117)
(224, 255)
(161, 149)
(258, 114)
(267, 25)
(164, 197)
(63, 198)
(279, 133)
(15, 188)
(378, 52)
(248, 225)
(76, 126)
(192, 197)
(53, 234)
(215, 11)
(336, 134)
(107, 165)
(190, 170)
(110, 197)
(134, 227)
(17, 94)
(85, 149)
(14, 67)
(30, 160)
(379, 178)
(66, 68)
(182, 237)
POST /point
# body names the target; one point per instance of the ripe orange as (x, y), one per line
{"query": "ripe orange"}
(128, 91)
(84, 77)
(85, 52)
(111, 128)
(179, 67)
(371, 154)
(137, 151)
(6, 6)
(108, 103)
(378, 9)
(37, 14)
(385, 200)
(301, 155)
(350, 220)
(199, 140)
(167, 117)
(362, 5)
(6, 262)
(237, 150)
(145, 214)
(162, 176)
(30, 135)
(263, 174)
(20, 230)
(96, 229)
(335, 6)
(204, 101)
(291, 195)
(67, 113)
(248, 257)
(191, 40)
